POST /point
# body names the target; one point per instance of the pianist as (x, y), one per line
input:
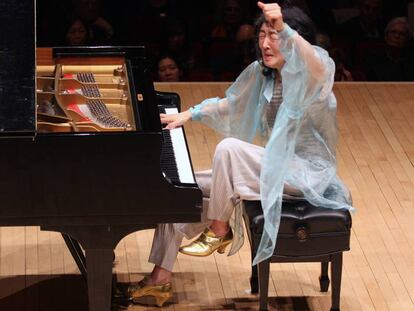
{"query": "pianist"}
(286, 98)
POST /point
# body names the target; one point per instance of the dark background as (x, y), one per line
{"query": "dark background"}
(213, 49)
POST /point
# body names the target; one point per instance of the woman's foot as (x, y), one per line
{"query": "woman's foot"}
(207, 243)
(158, 285)
(146, 287)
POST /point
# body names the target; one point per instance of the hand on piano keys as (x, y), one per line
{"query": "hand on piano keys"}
(174, 120)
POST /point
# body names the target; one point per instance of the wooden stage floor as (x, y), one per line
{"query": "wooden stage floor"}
(376, 161)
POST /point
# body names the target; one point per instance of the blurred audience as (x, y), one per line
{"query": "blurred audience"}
(230, 38)
(369, 24)
(410, 16)
(323, 40)
(245, 45)
(215, 39)
(341, 71)
(230, 15)
(157, 8)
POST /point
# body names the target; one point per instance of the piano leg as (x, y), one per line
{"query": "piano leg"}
(99, 262)
(99, 242)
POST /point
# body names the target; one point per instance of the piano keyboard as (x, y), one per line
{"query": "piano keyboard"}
(175, 161)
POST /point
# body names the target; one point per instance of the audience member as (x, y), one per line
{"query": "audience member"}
(395, 62)
(231, 30)
(168, 69)
(322, 13)
(151, 20)
(99, 29)
(368, 25)
(245, 45)
(177, 43)
(76, 33)
(323, 40)
(362, 33)
(230, 15)
(341, 71)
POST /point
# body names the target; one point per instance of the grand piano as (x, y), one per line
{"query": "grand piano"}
(82, 150)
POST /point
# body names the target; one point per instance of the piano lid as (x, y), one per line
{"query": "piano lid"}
(17, 67)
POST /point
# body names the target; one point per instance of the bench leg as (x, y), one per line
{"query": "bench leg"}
(254, 281)
(336, 274)
(254, 278)
(324, 278)
(263, 269)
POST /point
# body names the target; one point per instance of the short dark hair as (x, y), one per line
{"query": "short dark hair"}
(296, 19)
(163, 56)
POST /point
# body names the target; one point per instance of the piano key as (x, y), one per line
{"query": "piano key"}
(179, 146)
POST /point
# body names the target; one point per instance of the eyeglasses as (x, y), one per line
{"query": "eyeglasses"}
(397, 32)
(273, 36)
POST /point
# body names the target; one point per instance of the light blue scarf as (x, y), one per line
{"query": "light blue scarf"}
(301, 148)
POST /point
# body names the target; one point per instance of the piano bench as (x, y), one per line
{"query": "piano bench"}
(307, 233)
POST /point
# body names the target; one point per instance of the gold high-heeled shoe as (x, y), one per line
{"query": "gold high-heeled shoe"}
(161, 292)
(207, 243)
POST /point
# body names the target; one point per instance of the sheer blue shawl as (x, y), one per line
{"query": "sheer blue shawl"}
(300, 149)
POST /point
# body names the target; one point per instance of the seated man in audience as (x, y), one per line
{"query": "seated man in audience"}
(394, 62)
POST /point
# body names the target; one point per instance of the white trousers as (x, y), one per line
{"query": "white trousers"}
(235, 176)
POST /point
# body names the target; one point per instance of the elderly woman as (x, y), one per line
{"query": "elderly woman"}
(285, 98)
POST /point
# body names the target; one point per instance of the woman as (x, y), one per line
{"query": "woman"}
(77, 34)
(168, 69)
(285, 97)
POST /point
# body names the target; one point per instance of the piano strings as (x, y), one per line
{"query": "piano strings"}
(83, 98)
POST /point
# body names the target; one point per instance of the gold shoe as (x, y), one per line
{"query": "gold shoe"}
(161, 292)
(207, 243)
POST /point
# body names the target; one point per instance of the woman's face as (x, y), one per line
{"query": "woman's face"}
(397, 35)
(76, 34)
(168, 70)
(269, 46)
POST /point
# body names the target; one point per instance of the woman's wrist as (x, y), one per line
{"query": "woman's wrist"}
(188, 113)
(280, 27)
(286, 32)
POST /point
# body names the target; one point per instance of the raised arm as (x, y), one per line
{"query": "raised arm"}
(294, 47)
